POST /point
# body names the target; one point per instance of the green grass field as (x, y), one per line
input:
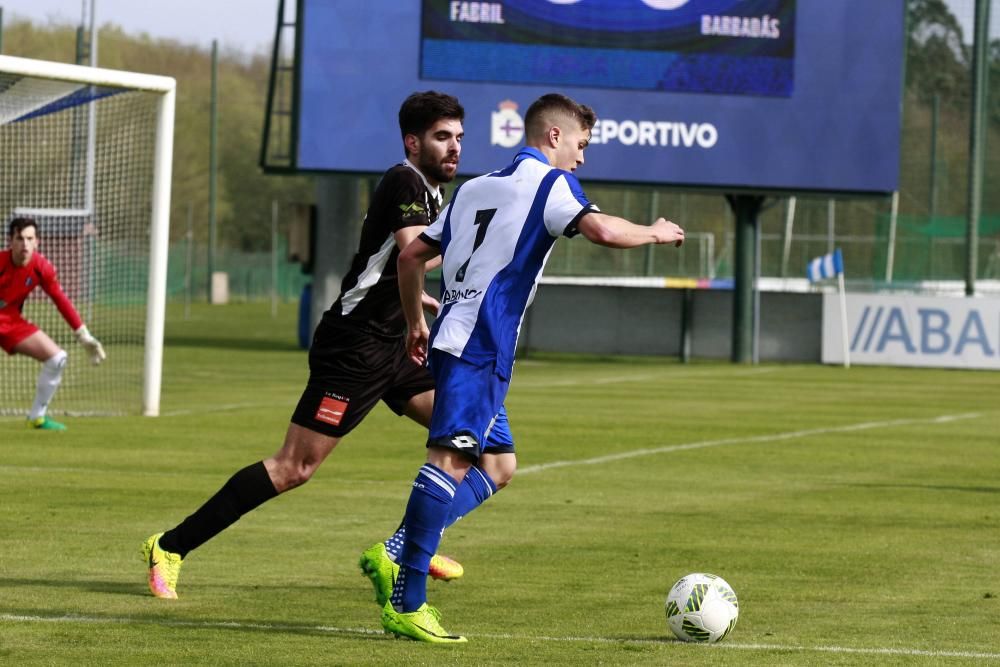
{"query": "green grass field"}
(856, 513)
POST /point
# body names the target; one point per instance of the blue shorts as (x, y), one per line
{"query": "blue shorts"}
(468, 407)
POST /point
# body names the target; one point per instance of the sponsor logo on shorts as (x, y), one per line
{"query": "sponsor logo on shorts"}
(464, 441)
(331, 410)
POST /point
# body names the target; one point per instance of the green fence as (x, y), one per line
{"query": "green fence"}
(252, 275)
(935, 248)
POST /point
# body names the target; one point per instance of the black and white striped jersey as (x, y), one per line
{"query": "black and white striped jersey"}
(369, 293)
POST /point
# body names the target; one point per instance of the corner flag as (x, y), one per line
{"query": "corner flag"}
(831, 265)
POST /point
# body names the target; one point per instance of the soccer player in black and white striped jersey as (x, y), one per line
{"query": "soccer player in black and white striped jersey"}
(357, 358)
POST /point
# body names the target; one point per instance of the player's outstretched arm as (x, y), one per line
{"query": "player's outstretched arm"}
(91, 344)
(410, 266)
(614, 232)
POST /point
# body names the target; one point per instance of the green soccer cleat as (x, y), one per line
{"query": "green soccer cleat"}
(422, 625)
(46, 424)
(164, 567)
(377, 566)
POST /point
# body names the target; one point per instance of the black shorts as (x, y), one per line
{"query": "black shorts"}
(350, 370)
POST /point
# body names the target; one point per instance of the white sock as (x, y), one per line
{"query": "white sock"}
(48, 381)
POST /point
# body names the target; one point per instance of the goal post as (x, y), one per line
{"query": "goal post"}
(103, 208)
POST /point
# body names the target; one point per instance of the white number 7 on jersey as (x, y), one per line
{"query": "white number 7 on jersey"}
(483, 218)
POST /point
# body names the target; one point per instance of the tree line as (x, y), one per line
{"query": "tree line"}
(244, 192)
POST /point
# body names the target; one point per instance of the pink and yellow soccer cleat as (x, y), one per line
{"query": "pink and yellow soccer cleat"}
(164, 567)
(443, 568)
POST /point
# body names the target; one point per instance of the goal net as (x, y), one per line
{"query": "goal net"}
(86, 152)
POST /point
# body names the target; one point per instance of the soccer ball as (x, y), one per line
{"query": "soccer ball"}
(702, 608)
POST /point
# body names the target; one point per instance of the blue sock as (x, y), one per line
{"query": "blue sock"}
(474, 490)
(426, 512)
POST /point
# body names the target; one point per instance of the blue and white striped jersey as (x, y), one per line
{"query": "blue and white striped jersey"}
(495, 237)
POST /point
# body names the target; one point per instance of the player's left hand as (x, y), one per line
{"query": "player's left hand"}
(91, 344)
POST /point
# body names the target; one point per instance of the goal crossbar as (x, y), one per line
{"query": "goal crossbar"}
(165, 89)
(94, 76)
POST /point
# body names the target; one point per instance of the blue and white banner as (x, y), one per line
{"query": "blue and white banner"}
(907, 330)
(830, 265)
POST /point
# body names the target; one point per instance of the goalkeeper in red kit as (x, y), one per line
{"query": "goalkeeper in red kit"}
(22, 269)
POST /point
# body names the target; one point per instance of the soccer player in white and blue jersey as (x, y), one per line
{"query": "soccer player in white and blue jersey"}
(357, 359)
(495, 237)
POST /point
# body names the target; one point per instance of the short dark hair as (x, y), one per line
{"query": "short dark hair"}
(421, 110)
(20, 224)
(539, 116)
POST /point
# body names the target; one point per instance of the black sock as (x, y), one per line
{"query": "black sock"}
(244, 491)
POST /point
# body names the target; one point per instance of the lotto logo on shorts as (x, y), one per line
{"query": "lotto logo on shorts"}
(331, 410)
(464, 441)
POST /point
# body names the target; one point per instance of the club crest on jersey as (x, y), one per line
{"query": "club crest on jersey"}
(413, 210)
(331, 410)
(28, 281)
(507, 126)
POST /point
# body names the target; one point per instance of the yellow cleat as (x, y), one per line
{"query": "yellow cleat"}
(378, 566)
(422, 625)
(164, 567)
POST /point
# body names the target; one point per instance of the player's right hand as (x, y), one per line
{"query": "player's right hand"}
(668, 232)
(416, 344)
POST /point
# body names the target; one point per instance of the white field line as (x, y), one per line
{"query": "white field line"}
(366, 632)
(774, 437)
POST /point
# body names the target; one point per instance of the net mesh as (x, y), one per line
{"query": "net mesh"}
(79, 160)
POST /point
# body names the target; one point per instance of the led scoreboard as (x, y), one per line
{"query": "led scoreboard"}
(741, 47)
(764, 95)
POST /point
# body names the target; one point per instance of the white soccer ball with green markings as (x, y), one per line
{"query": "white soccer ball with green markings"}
(702, 607)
